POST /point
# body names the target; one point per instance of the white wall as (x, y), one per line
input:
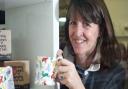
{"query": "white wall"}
(35, 32)
(2, 5)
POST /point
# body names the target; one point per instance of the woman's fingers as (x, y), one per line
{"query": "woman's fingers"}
(64, 62)
(63, 69)
(59, 53)
(67, 74)
(65, 65)
(63, 77)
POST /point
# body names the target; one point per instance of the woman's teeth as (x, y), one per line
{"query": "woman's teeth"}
(79, 41)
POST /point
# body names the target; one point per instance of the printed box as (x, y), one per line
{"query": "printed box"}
(20, 73)
(5, 44)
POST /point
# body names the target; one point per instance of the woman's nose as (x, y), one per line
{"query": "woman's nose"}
(79, 30)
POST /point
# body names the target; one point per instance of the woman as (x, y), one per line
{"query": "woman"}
(90, 53)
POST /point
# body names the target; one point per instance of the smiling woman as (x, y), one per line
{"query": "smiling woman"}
(91, 59)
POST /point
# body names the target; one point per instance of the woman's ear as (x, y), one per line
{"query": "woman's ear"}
(99, 35)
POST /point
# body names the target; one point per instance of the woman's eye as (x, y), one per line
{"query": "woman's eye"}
(72, 23)
(86, 24)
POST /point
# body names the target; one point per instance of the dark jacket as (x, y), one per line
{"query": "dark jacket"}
(109, 78)
(113, 78)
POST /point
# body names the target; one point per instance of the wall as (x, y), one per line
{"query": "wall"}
(119, 15)
(35, 32)
(2, 5)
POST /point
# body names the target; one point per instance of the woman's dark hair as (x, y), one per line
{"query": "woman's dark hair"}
(95, 11)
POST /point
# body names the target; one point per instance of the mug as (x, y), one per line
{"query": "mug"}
(46, 70)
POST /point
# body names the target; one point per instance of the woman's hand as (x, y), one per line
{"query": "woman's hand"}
(68, 75)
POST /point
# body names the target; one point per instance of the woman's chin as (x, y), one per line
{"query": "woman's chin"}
(79, 52)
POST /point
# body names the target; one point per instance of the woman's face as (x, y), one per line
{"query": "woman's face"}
(83, 36)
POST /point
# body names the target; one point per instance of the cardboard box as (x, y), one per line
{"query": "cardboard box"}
(20, 73)
(5, 44)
